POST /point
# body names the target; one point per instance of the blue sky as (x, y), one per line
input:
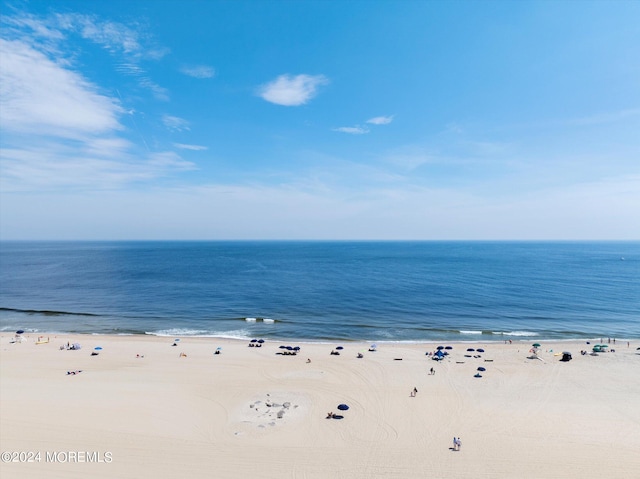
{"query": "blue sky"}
(320, 120)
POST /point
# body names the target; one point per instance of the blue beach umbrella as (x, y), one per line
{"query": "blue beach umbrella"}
(339, 347)
(448, 347)
(481, 369)
(343, 407)
(177, 339)
(289, 348)
(480, 350)
(470, 349)
(282, 347)
(254, 340)
(261, 341)
(20, 331)
(218, 348)
(98, 348)
(297, 348)
(440, 347)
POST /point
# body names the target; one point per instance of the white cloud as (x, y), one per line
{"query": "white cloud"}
(198, 71)
(129, 45)
(380, 120)
(353, 130)
(183, 146)
(41, 97)
(173, 123)
(60, 132)
(290, 90)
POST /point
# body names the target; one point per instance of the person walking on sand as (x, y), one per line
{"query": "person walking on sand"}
(455, 444)
(458, 443)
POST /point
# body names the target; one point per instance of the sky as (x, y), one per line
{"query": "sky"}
(323, 120)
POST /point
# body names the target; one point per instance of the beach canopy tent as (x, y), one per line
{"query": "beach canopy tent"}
(438, 355)
(566, 356)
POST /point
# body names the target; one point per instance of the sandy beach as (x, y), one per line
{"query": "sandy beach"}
(142, 407)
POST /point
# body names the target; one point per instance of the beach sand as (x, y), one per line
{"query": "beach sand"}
(204, 415)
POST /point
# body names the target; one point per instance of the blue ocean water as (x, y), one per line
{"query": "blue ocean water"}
(373, 291)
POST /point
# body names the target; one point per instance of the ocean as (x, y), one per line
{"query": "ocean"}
(324, 291)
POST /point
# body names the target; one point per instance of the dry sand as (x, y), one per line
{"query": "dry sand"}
(206, 415)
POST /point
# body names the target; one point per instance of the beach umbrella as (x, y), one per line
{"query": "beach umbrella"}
(254, 340)
(448, 347)
(470, 349)
(282, 347)
(218, 348)
(177, 339)
(481, 369)
(98, 348)
(374, 346)
(536, 345)
(480, 350)
(289, 348)
(76, 345)
(604, 346)
(261, 341)
(343, 407)
(339, 347)
(440, 347)
(297, 348)
(20, 331)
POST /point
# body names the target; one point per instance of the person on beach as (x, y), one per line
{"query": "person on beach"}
(415, 391)
(459, 443)
(455, 444)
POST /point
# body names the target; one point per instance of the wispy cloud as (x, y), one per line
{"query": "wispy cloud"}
(41, 97)
(352, 130)
(290, 90)
(198, 71)
(174, 123)
(60, 130)
(183, 146)
(380, 120)
(129, 45)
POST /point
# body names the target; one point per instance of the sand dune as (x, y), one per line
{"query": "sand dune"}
(249, 412)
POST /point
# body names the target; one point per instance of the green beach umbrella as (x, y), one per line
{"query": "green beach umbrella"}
(536, 345)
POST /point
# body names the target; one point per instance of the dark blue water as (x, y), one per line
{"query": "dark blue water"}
(395, 291)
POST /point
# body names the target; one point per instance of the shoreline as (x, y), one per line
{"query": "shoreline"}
(183, 411)
(484, 340)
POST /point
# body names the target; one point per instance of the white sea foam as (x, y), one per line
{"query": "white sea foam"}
(177, 332)
(470, 332)
(515, 333)
(251, 320)
(268, 320)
